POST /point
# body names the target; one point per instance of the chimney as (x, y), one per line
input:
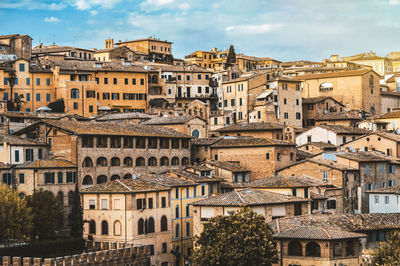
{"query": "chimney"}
(109, 43)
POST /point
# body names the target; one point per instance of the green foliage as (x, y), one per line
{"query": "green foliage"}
(47, 214)
(18, 102)
(12, 78)
(76, 215)
(231, 59)
(388, 253)
(10, 105)
(15, 216)
(46, 248)
(57, 106)
(242, 238)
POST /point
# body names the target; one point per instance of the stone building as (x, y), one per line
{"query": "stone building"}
(340, 175)
(15, 46)
(317, 147)
(271, 205)
(105, 151)
(355, 89)
(261, 156)
(317, 106)
(122, 53)
(130, 211)
(56, 52)
(189, 125)
(385, 199)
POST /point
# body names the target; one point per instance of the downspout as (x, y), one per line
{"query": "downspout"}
(181, 228)
(126, 233)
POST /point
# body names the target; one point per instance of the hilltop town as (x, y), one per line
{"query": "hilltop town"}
(158, 145)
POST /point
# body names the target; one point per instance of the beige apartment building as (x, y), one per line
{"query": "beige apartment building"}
(130, 211)
(383, 142)
(356, 89)
(380, 65)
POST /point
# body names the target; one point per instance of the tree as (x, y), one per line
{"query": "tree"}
(241, 238)
(15, 216)
(12, 79)
(388, 253)
(57, 106)
(231, 59)
(18, 102)
(76, 215)
(47, 214)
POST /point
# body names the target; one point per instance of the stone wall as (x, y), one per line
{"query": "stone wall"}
(107, 254)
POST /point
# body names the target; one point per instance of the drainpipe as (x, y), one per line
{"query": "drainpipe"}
(126, 233)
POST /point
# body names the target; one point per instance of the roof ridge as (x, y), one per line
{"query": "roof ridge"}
(326, 231)
(128, 188)
(240, 197)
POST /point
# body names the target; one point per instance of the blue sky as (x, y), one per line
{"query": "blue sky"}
(281, 29)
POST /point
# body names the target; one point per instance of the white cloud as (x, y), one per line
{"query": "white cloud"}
(29, 4)
(51, 19)
(87, 4)
(253, 29)
(154, 5)
(94, 12)
(59, 6)
(394, 2)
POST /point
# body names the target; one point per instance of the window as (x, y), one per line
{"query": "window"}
(141, 81)
(187, 211)
(187, 77)
(177, 211)
(286, 115)
(115, 96)
(105, 80)
(367, 169)
(90, 108)
(187, 229)
(22, 67)
(60, 177)
(164, 223)
(140, 226)
(325, 176)
(177, 230)
(5, 96)
(92, 227)
(16, 156)
(104, 204)
(267, 156)
(164, 250)
(104, 228)
(386, 199)
(331, 204)
(29, 155)
(40, 153)
(150, 200)
(48, 82)
(298, 116)
(126, 81)
(92, 204)
(28, 81)
(133, 81)
(313, 249)
(295, 249)
(115, 81)
(278, 156)
(37, 81)
(21, 178)
(38, 97)
(240, 101)
(163, 202)
(376, 199)
(48, 97)
(284, 101)
(150, 225)
(203, 190)
(140, 204)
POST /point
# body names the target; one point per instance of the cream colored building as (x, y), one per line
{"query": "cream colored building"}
(130, 211)
(380, 65)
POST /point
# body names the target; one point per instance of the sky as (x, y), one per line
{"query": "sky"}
(282, 29)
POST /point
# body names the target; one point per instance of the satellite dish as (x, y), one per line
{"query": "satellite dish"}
(133, 176)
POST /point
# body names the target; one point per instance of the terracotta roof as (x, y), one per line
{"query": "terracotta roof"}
(386, 190)
(124, 186)
(109, 128)
(123, 116)
(48, 163)
(394, 114)
(390, 93)
(339, 129)
(320, 144)
(383, 134)
(316, 233)
(317, 196)
(327, 163)
(192, 176)
(56, 49)
(13, 36)
(366, 157)
(365, 56)
(163, 179)
(170, 120)
(257, 126)
(234, 142)
(249, 197)
(231, 166)
(301, 155)
(318, 99)
(144, 39)
(19, 141)
(244, 78)
(349, 222)
(335, 74)
(205, 141)
(173, 68)
(279, 181)
(339, 116)
(91, 66)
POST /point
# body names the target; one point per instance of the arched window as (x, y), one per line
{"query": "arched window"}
(154, 79)
(177, 233)
(175, 161)
(74, 94)
(185, 161)
(87, 180)
(115, 177)
(152, 161)
(140, 227)
(101, 179)
(60, 198)
(313, 249)
(104, 228)
(92, 227)
(177, 211)
(70, 198)
(115, 161)
(295, 249)
(164, 223)
(127, 176)
(117, 228)
(87, 162)
(101, 161)
(326, 86)
(150, 225)
(164, 161)
(195, 133)
(128, 162)
(140, 161)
